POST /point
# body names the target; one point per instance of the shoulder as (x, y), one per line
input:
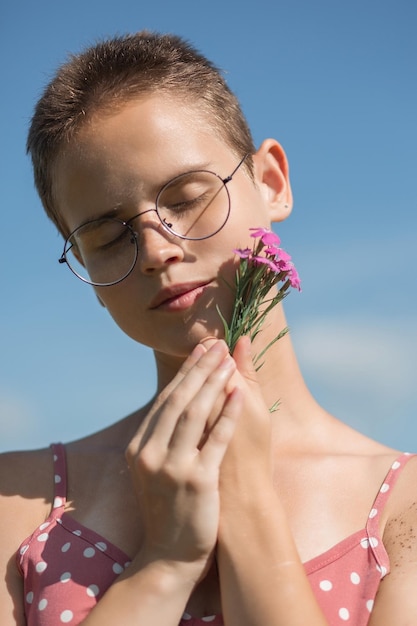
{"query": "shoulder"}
(26, 492)
(26, 489)
(404, 492)
(24, 468)
(400, 532)
(396, 601)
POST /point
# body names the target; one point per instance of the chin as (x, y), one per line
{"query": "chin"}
(199, 333)
(183, 343)
(181, 335)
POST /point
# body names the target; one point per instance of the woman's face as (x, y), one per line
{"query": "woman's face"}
(116, 165)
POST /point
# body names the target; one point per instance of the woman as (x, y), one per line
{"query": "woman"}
(201, 506)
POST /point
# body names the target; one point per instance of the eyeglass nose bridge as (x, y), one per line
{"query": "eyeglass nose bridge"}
(163, 222)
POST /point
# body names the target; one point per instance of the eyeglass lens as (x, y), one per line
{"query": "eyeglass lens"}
(102, 252)
(194, 206)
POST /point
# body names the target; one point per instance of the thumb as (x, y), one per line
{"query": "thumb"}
(242, 354)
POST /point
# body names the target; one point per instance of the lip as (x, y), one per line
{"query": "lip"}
(178, 297)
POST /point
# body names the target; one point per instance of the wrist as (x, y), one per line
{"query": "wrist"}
(239, 498)
(149, 591)
(166, 576)
(253, 514)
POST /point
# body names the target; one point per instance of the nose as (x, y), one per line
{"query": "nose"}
(157, 248)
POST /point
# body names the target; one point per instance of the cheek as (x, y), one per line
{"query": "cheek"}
(247, 212)
(121, 305)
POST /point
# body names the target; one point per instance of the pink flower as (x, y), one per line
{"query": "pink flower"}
(294, 278)
(282, 255)
(267, 236)
(261, 260)
(272, 250)
(246, 253)
(284, 266)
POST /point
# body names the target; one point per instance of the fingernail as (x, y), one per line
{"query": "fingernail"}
(218, 346)
(208, 342)
(228, 363)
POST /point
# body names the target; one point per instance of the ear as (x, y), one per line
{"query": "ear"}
(272, 177)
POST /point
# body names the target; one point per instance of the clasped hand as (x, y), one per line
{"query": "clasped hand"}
(177, 454)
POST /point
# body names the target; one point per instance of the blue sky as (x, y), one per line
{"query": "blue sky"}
(336, 83)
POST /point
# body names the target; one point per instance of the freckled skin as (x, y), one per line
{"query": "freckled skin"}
(400, 534)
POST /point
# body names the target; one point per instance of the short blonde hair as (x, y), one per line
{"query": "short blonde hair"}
(114, 71)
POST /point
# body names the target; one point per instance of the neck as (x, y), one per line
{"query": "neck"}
(279, 377)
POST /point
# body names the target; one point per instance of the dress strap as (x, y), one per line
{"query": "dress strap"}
(60, 478)
(385, 490)
(373, 540)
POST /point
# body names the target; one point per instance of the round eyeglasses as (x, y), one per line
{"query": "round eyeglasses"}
(194, 206)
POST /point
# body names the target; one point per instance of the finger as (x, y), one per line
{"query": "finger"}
(146, 426)
(243, 357)
(195, 355)
(176, 404)
(215, 446)
(193, 421)
(159, 430)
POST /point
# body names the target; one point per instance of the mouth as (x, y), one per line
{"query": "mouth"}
(178, 297)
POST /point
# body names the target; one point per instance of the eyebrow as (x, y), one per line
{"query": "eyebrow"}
(100, 216)
(113, 212)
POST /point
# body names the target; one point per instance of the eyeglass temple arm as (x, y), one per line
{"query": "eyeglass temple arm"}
(229, 178)
(62, 258)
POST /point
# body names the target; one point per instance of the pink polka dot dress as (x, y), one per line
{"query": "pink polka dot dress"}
(66, 567)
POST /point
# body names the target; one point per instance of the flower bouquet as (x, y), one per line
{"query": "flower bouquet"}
(262, 267)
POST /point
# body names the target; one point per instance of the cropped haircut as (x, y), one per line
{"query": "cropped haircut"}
(104, 77)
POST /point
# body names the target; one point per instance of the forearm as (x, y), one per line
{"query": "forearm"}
(151, 594)
(261, 576)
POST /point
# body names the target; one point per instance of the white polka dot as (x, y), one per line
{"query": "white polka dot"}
(29, 597)
(396, 465)
(43, 526)
(325, 585)
(117, 569)
(209, 618)
(41, 567)
(384, 488)
(355, 578)
(89, 553)
(65, 577)
(43, 537)
(373, 542)
(58, 502)
(55, 457)
(57, 479)
(127, 564)
(77, 532)
(93, 591)
(186, 617)
(23, 549)
(66, 616)
(373, 513)
(43, 604)
(382, 570)
(344, 614)
(66, 546)
(370, 605)
(364, 544)
(100, 545)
